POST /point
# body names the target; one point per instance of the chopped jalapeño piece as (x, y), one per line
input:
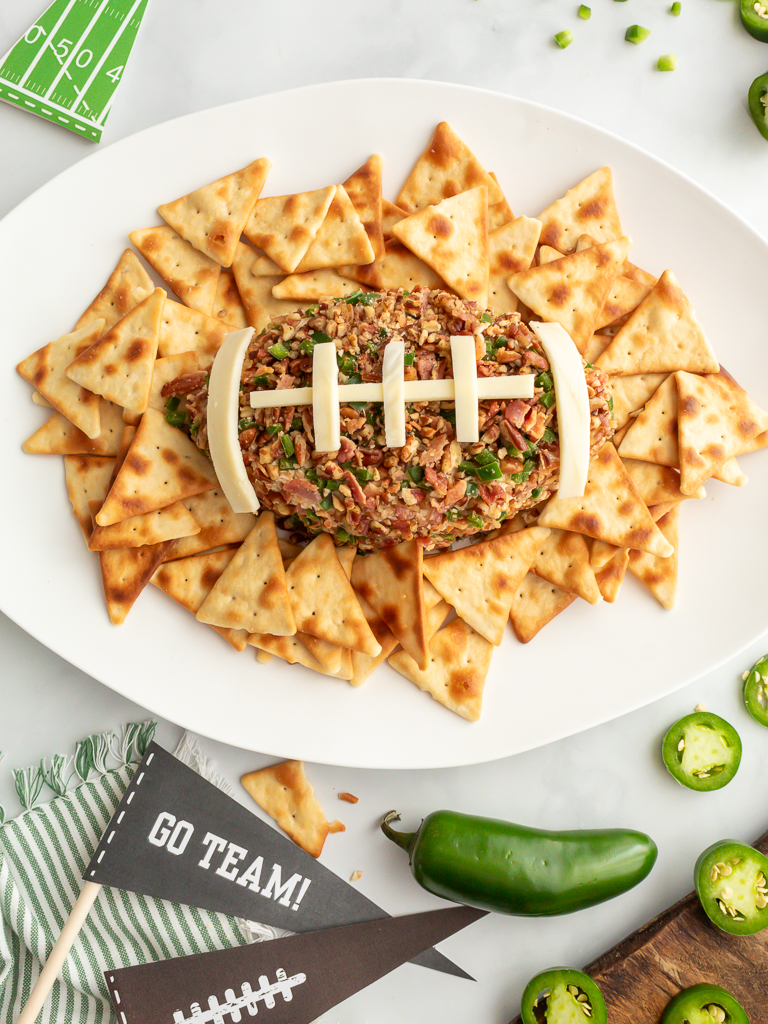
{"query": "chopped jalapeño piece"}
(675, 8)
(636, 34)
(564, 38)
(585, 12)
(731, 883)
(667, 63)
(279, 351)
(562, 995)
(702, 751)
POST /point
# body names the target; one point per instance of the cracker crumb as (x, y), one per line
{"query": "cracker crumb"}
(349, 797)
(356, 876)
(337, 826)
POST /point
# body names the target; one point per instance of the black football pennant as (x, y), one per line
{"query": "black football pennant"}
(286, 981)
(178, 837)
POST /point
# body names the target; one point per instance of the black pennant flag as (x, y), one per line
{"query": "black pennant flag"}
(178, 837)
(285, 981)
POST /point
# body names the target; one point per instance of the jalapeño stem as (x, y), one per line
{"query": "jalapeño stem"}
(404, 839)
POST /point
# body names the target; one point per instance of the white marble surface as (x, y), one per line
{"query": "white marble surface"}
(190, 56)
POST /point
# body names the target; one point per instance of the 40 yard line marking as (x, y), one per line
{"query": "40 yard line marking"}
(67, 66)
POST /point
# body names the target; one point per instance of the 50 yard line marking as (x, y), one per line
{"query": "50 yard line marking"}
(67, 65)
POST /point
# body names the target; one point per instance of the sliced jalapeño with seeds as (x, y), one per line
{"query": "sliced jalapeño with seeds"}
(731, 885)
(704, 1004)
(702, 751)
(755, 691)
(562, 995)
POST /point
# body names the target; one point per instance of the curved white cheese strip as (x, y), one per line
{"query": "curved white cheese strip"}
(223, 411)
(465, 383)
(572, 406)
(325, 398)
(392, 382)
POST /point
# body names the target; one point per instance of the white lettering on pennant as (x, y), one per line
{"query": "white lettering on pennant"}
(180, 836)
(252, 874)
(232, 857)
(215, 844)
(159, 833)
(279, 890)
(169, 833)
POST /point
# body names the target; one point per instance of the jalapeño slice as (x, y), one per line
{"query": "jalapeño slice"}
(702, 751)
(731, 882)
(756, 691)
(757, 101)
(754, 18)
(562, 995)
(704, 1004)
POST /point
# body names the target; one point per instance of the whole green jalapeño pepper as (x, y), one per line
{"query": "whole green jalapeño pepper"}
(754, 18)
(756, 680)
(562, 995)
(702, 751)
(511, 869)
(732, 884)
(704, 1004)
(757, 99)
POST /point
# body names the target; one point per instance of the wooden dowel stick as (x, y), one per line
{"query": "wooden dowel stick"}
(63, 944)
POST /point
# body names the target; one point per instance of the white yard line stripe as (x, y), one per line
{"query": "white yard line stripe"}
(126, 21)
(76, 49)
(47, 42)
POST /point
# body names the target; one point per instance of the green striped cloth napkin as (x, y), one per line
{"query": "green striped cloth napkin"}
(43, 853)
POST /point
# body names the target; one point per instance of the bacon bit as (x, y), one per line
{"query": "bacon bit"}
(455, 494)
(349, 798)
(347, 450)
(532, 358)
(302, 490)
(516, 412)
(438, 480)
(425, 363)
(357, 491)
(183, 385)
(491, 492)
(285, 380)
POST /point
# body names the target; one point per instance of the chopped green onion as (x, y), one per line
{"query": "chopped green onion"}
(311, 309)
(452, 514)
(358, 406)
(331, 485)
(474, 520)
(675, 8)
(311, 475)
(310, 516)
(416, 473)
(449, 415)
(287, 444)
(543, 381)
(363, 475)
(361, 298)
(471, 491)
(354, 378)
(667, 63)
(345, 363)
(522, 476)
(536, 492)
(279, 351)
(549, 436)
(174, 415)
(244, 424)
(382, 332)
(409, 358)
(490, 472)
(327, 503)
(262, 381)
(288, 464)
(343, 536)
(547, 400)
(585, 12)
(468, 468)
(564, 38)
(486, 318)
(273, 428)
(610, 403)
(636, 34)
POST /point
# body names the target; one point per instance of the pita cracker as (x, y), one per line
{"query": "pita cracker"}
(252, 593)
(228, 306)
(716, 420)
(256, 291)
(652, 435)
(190, 580)
(263, 266)
(38, 399)
(125, 572)
(314, 285)
(390, 214)
(660, 574)
(511, 248)
(536, 603)
(187, 330)
(363, 665)
(630, 393)
(601, 552)
(548, 255)
(57, 436)
(168, 523)
(87, 479)
(162, 466)
(391, 581)
(127, 285)
(341, 238)
(610, 510)
(190, 274)
(212, 218)
(363, 187)
(452, 238)
(288, 648)
(624, 297)
(119, 365)
(445, 168)
(588, 207)
(730, 473)
(611, 575)
(480, 581)
(596, 344)
(571, 291)
(563, 560)
(760, 441)
(656, 484)
(219, 525)
(458, 662)
(282, 790)
(166, 369)
(283, 226)
(46, 368)
(660, 336)
(335, 660)
(399, 268)
(499, 213)
(323, 601)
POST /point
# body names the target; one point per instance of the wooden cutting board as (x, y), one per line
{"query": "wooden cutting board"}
(679, 948)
